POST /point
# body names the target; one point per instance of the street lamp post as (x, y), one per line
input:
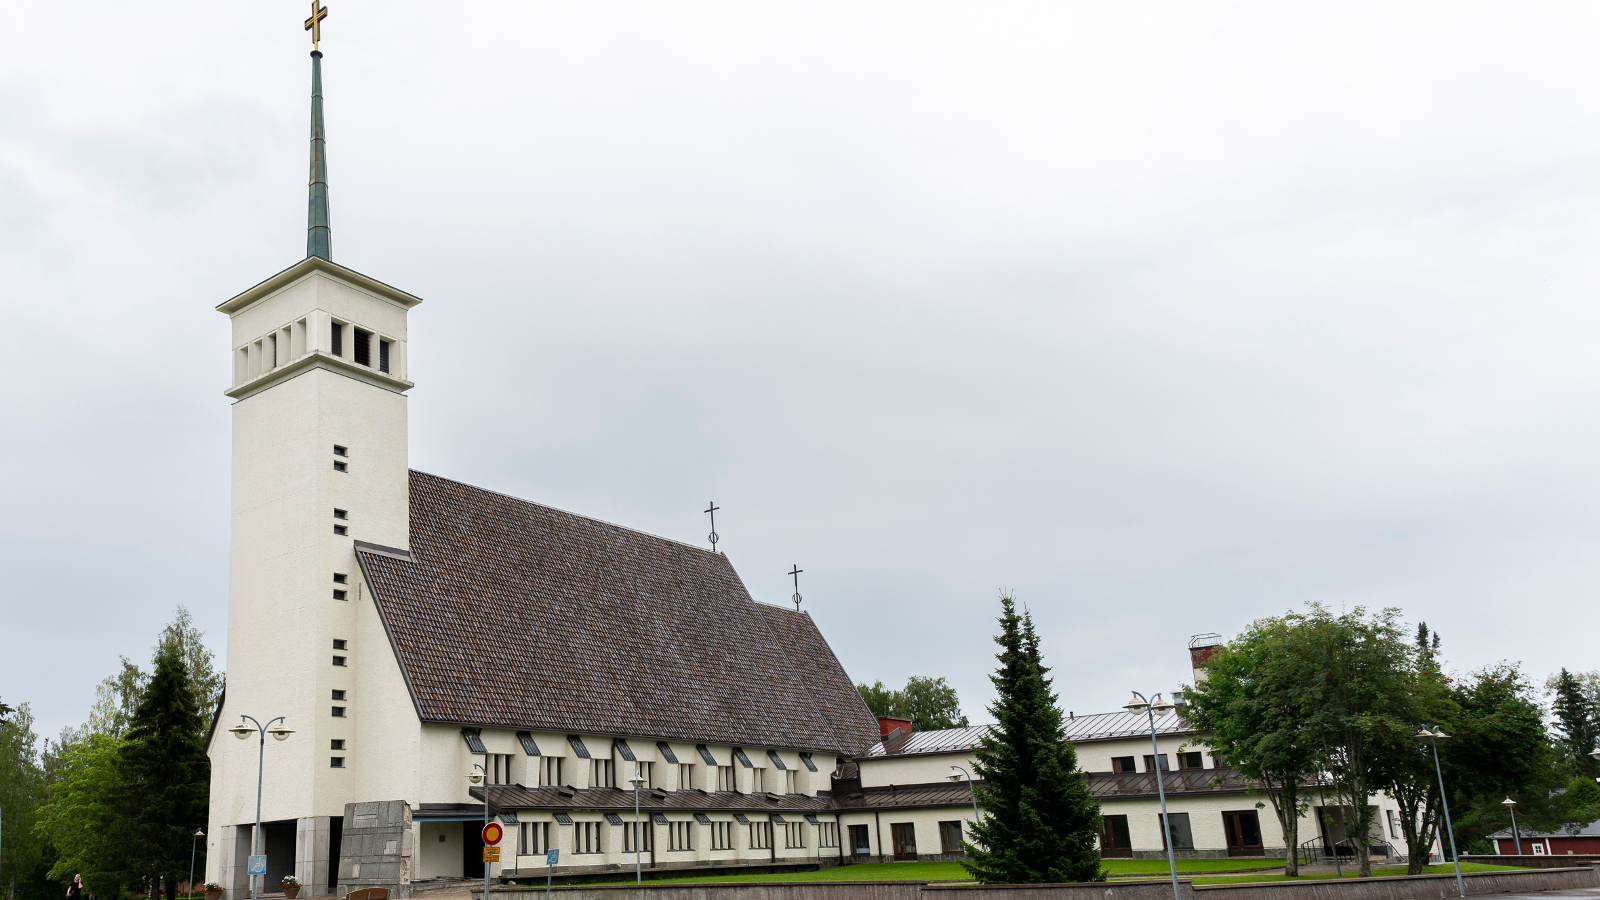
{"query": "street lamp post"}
(971, 792)
(1434, 737)
(1511, 804)
(198, 834)
(242, 732)
(638, 865)
(481, 775)
(1139, 704)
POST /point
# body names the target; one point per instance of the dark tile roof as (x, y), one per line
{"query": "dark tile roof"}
(906, 796)
(514, 615)
(1117, 786)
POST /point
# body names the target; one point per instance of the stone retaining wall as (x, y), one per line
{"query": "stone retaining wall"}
(1398, 887)
(1529, 861)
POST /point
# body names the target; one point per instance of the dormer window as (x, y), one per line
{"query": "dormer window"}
(363, 347)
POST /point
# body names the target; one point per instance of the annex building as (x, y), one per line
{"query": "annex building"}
(410, 629)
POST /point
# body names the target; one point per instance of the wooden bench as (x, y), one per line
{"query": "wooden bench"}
(368, 894)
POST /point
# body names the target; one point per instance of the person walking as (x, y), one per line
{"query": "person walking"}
(75, 889)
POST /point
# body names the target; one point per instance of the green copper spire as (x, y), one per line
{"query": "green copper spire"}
(319, 239)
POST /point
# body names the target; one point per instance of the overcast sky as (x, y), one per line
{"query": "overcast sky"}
(1166, 317)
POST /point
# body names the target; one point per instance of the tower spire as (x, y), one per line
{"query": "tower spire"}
(319, 239)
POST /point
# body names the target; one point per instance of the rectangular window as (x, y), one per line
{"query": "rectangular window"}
(724, 778)
(1243, 830)
(1150, 766)
(757, 781)
(340, 529)
(336, 744)
(383, 356)
(860, 840)
(600, 773)
(499, 766)
(336, 762)
(722, 835)
(794, 834)
(643, 830)
(586, 837)
(533, 838)
(760, 835)
(340, 514)
(338, 660)
(1123, 765)
(828, 834)
(340, 578)
(1394, 823)
(338, 695)
(340, 467)
(341, 644)
(904, 835)
(680, 836)
(1192, 760)
(363, 354)
(337, 342)
(340, 451)
(340, 595)
(950, 837)
(549, 770)
(1182, 837)
(790, 781)
(1114, 839)
(338, 712)
(685, 776)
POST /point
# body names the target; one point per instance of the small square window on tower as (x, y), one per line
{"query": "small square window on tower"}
(336, 762)
(338, 660)
(340, 467)
(338, 695)
(340, 644)
(340, 578)
(340, 529)
(340, 595)
(338, 712)
(340, 514)
(340, 451)
(336, 744)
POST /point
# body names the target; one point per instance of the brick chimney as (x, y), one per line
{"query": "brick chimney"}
(1201, 648)
(887, 724)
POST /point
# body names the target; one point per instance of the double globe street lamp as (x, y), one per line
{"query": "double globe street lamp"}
(1433, 738)
(242, 731)
(1151, 706)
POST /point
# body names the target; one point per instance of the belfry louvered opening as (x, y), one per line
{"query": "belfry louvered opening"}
(363, 347)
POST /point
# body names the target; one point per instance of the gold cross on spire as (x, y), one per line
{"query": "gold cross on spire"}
(314, 24)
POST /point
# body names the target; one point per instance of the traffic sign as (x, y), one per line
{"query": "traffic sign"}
(492, 833)
(551, 857)
(491, 854)
(258, 865)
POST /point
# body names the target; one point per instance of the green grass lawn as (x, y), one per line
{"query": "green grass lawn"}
(951, 871)
(1349, 872)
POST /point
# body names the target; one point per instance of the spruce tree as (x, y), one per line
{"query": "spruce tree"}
(164, 775)
(1576, 717)
(1040, 825)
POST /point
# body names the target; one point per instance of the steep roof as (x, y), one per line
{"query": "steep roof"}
(510, 614)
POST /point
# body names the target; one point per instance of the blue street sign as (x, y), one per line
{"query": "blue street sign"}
(551, 857)
(258, 865)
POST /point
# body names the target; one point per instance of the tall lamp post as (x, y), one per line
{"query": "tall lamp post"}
(1433, 738)
(1139, 704)
(1511, 804)
(970, 791)
(198, 834)
(638, 866)
(242, 731)
(480, 775)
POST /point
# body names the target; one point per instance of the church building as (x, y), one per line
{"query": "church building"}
(403, 648)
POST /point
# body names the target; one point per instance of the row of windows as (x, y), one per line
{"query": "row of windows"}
(1190, 760)
(533, 838)
(603, 773)
(904, 836)
(1241, 827)
(288, 343)
(362, 349)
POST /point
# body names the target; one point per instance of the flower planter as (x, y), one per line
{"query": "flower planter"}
(290, 891)
(213, 895)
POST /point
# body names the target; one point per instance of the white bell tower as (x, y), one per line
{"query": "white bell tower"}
(319, 381)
